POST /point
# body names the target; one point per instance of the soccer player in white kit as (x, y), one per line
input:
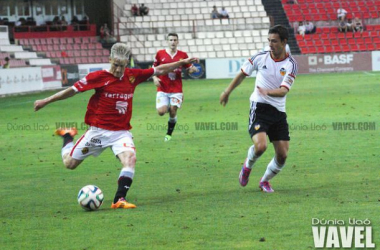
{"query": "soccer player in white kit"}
(276, 71)
(109, 112)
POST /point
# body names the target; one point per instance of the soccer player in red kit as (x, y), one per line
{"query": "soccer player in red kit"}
(169, 87)
(108, 114)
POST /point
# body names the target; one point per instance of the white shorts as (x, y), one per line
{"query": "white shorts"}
(96, 140)
(163, 99)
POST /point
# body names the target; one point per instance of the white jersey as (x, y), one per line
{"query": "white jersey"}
(287, 48)
(271, 74)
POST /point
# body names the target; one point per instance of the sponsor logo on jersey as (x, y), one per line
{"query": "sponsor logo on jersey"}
(264, 67)
(132, 79)
(282, 71)
(85, 151)
(121, 107)
(118, 96)
(106, 83)
(96, 141)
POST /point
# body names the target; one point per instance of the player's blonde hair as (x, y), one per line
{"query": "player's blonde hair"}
(120, 51)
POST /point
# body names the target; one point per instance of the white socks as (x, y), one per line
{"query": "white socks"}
(272, 169)
(67, 148)
(172, 120)
(251, 157)
(127, 172)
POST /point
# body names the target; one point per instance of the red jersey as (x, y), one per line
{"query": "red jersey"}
(172, 82)
(110, 107)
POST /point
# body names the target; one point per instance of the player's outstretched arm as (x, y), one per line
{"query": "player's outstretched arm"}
(166, 68)
(235, 82)
(64, 94)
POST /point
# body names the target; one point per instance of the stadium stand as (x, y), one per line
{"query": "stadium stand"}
(327, 39)
(16, 54)
(68, 50)
(243, 34)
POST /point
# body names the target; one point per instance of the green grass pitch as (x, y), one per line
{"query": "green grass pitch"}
(187, 190)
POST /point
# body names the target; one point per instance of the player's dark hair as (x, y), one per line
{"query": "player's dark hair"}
(281, 31)
(172, 34)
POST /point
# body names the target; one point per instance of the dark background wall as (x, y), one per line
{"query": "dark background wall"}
(99, 12)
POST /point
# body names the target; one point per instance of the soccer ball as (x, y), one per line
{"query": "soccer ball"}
(90, 197)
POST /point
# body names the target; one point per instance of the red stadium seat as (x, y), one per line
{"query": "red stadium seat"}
(85, 39)
(98, 53)
(354, 47)
(363, 47)
(62, 40)
(359, 41)
(329, 49)
(325, 36)
(93, 39)
(304, 50)
(85, 60)
(374, 14)
(302, 43)
(368, 40)
(334, 42)
(371, 46)
(333, 36)
(326, 43)
(345, 48)
(299, 37)
(341, 35)
(337, 48)
(312, 50)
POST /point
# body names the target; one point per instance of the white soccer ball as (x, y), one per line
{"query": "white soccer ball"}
(90, 197)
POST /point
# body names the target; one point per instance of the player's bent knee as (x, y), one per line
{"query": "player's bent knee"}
(281, 157)
(260, 148)
(128, 159)
(161, 113)
(71, 163)
(131, 160)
